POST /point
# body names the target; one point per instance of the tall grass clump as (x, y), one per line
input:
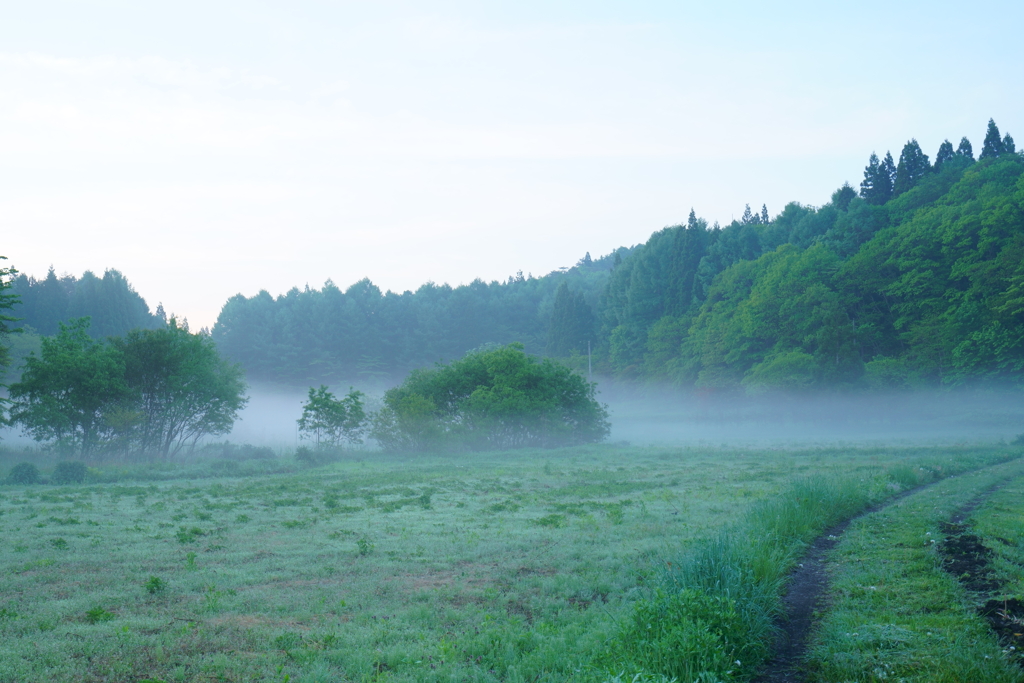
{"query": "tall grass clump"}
(710, 616)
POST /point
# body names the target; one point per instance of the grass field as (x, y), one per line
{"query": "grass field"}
(895, 614)
(509, 566)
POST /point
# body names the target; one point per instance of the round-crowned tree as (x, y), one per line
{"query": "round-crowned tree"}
(494, 399)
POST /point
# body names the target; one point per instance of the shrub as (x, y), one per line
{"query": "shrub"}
(155, 585)
(69, 472)
(24, 473)
(98, 614)
(492, 399)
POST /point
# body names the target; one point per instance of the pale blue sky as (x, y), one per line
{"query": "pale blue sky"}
(209, 148)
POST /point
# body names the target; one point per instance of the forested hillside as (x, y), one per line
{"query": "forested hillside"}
(364, 335)
(914, 280)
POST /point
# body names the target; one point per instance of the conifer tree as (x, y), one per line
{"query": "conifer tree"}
(764, 214)
(993, 147)
(572, 323)
(876, 188)
(944, 154)
(748, 216)
(965, 149)
(912, 167)
(1008, 146)
(890, 168)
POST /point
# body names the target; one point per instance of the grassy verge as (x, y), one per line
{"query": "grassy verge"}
(487, 567)
(895, 614)
(1000, 525)
(710, 616)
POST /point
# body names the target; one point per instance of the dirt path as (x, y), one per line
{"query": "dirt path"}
(806, 593)
(966, 558)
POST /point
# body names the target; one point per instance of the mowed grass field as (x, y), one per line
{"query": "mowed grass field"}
(485, 567)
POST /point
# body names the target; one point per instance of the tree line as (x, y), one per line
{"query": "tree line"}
(909, 279)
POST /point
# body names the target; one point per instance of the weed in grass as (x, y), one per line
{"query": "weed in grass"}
(242, 519)
(65, 521)
(99, 614)
(189, 535)
(59, 543)
(504, 506)
(190, 562)
(7, 614)
(296, 523)
(155, 585)
(366, 546)
(615, 514)
(551, 521)
(904, 475)
(212, 598)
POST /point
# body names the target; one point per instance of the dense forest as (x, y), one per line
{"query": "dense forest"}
(914, 279)
(110, 302)
(364, 335)
(39, 306)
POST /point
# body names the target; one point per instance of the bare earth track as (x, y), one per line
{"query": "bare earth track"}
(808, 583)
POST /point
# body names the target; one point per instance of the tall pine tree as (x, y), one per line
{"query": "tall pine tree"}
(944, 154)
(965, 149)
(912, 167)
(993, 147)
(876, 188)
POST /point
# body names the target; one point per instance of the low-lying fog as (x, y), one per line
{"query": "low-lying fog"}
(672, 417)
(649, 416)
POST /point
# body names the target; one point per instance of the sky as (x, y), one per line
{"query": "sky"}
(206, 149)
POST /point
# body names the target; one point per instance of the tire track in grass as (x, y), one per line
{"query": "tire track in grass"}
(809, 581)
(966, 558)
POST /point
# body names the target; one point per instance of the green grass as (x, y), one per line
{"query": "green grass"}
(486, 567)
(1000, 523)
(895, 614)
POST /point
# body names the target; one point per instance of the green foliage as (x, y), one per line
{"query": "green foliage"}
(23, 473)
(180, 390)
(98, 615)
(330, 422)
(494, 399)
(65, 391)
(689, 635)
(155, 585)
(109, 301)
(913, 166)
(8, 300)
(69, 472)
(151, 393)
(572, 323)
(367, 337)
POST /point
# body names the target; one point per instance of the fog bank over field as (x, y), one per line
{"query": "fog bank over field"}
(667, 416)
(906, 418)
